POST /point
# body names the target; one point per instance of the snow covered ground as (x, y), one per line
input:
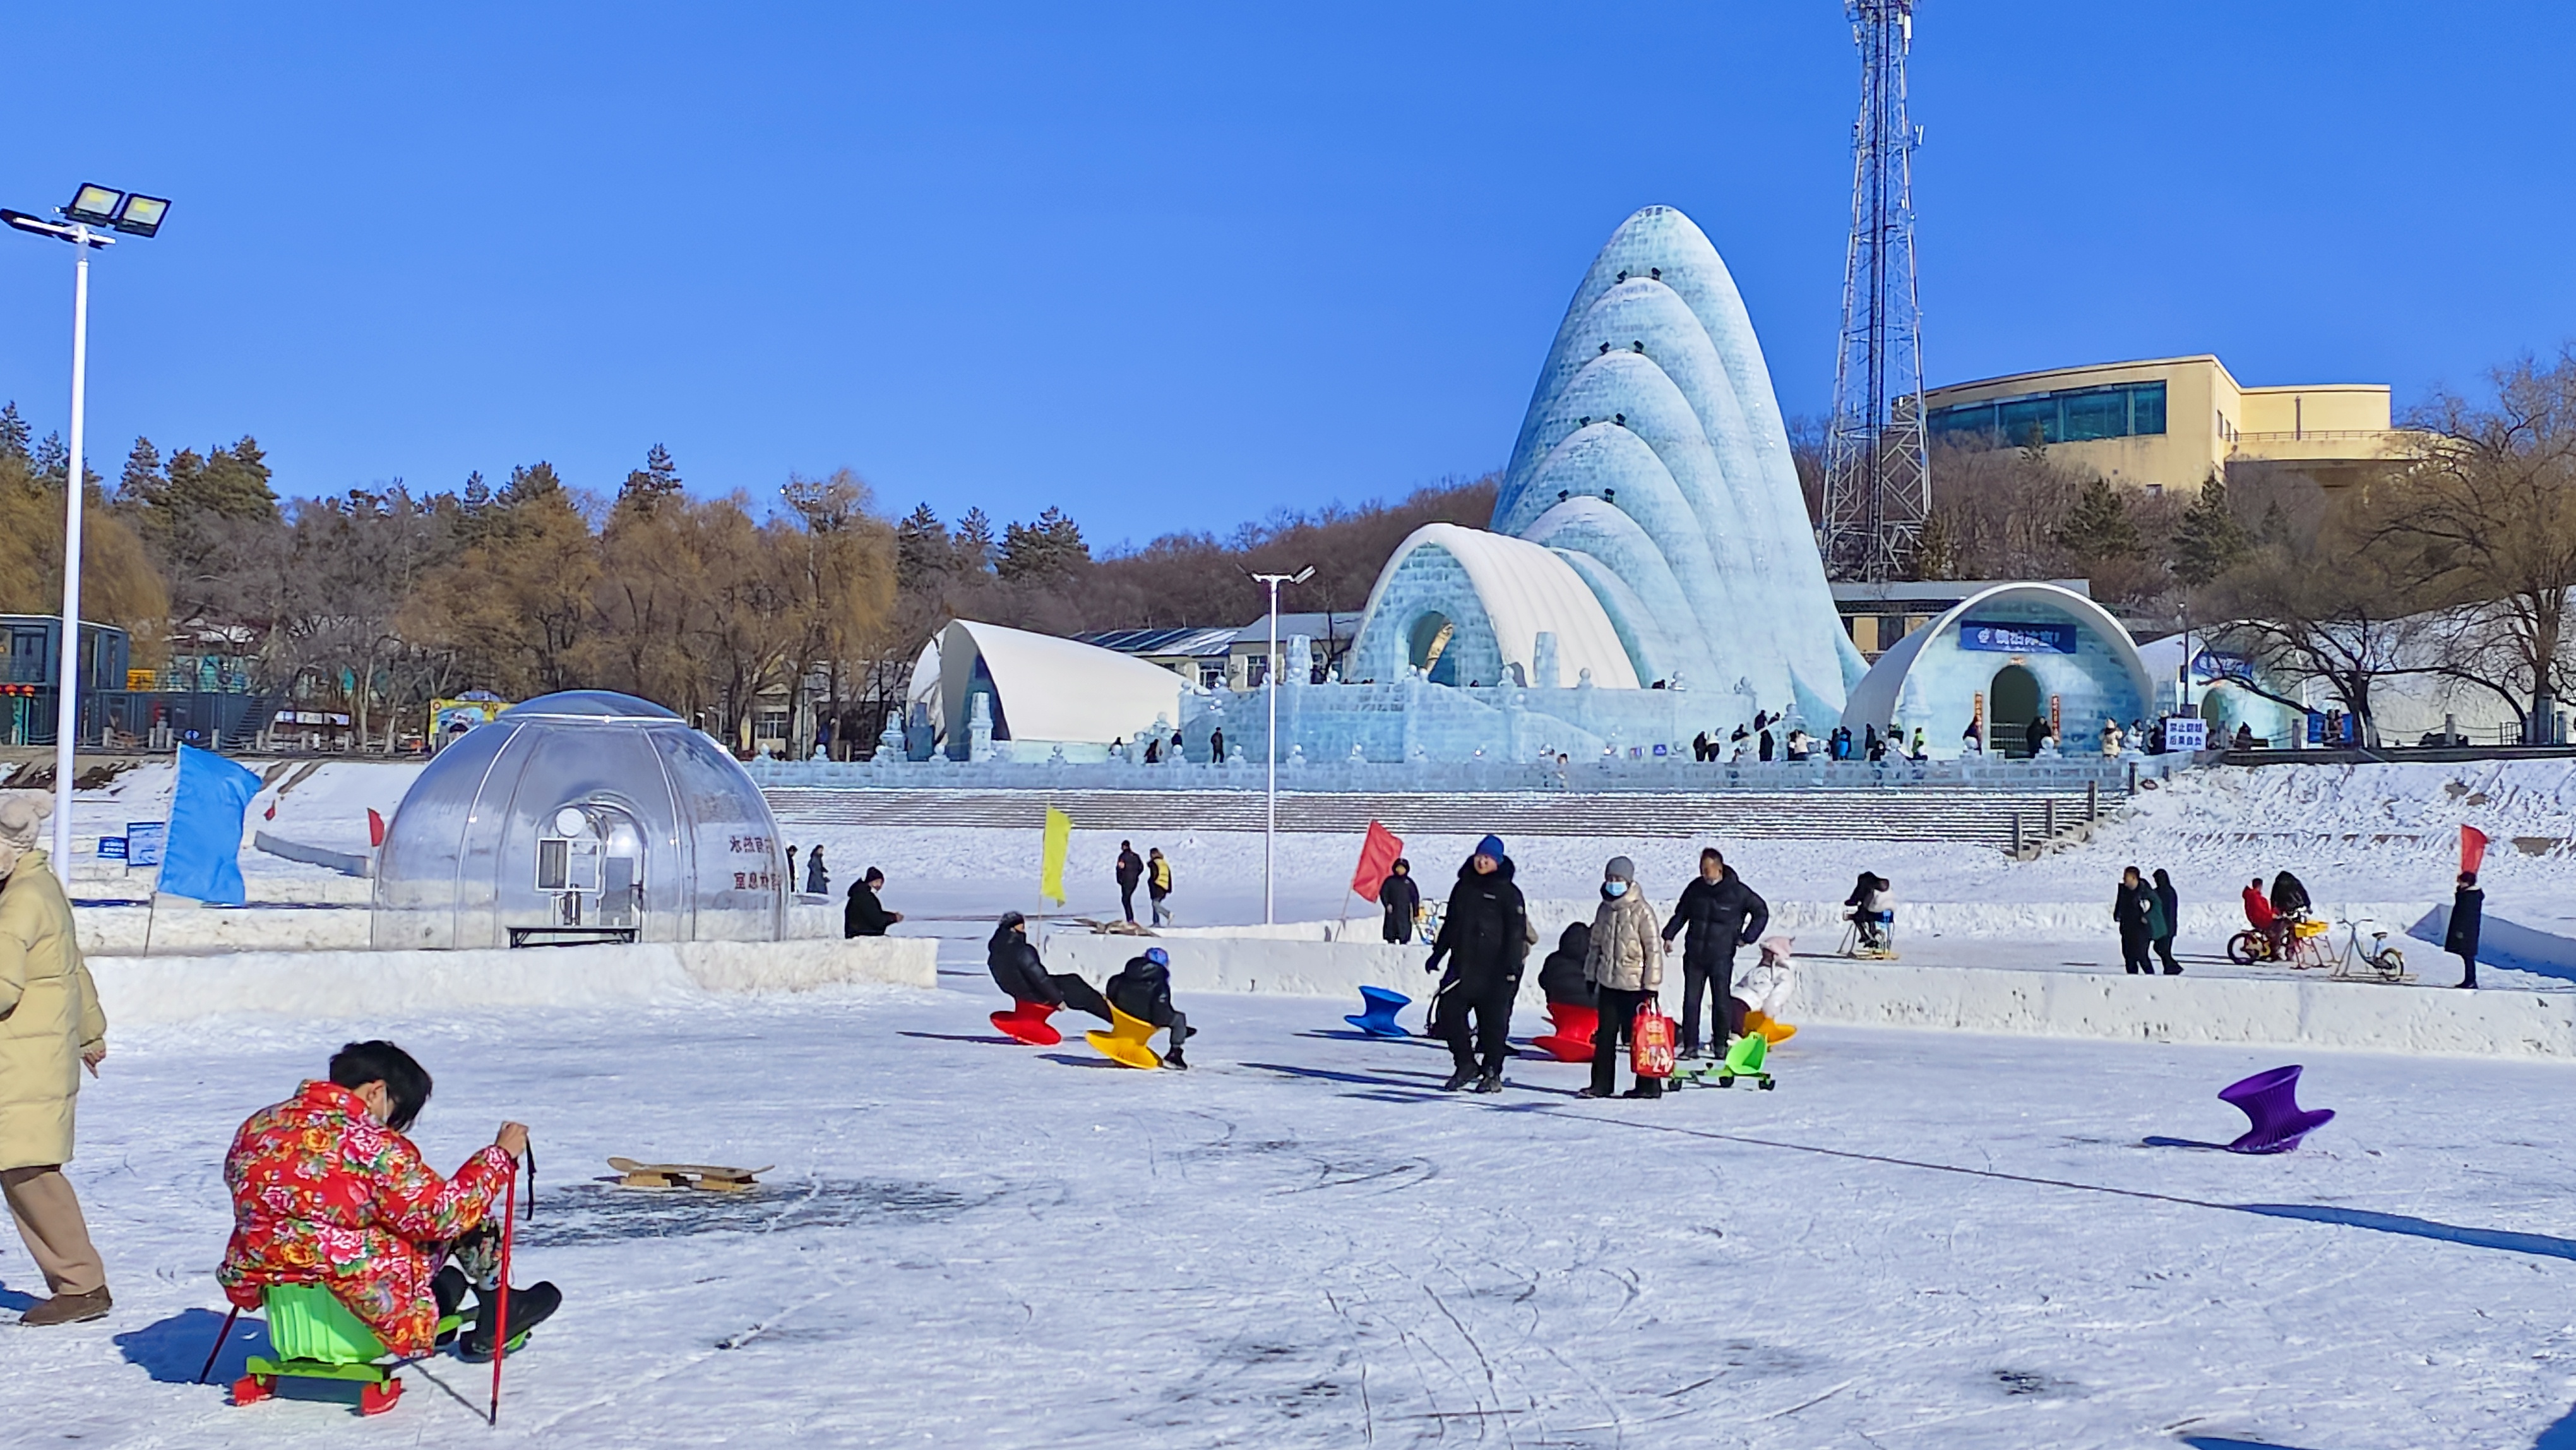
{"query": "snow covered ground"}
(1919, 1239)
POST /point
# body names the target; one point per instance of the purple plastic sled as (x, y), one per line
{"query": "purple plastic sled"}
(2270, 1100)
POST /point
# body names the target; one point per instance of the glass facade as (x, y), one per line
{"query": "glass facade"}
(2072, 415)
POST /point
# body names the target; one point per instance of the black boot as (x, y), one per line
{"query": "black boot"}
(1491, 1081)
(1459, 1079)
(1172, 1060)
(529, 1307)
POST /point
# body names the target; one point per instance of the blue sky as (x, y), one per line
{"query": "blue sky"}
(1174, 267)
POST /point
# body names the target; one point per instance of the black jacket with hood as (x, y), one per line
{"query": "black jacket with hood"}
(1561, 976)
(1485, 933)
(1015, 965)
(1399, 898)
(1722, 915)
(1143, 991)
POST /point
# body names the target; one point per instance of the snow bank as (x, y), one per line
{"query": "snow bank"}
(181, 926)
(328, 984)
(2289, 1013)
(2503, 943)
(2353, 1015)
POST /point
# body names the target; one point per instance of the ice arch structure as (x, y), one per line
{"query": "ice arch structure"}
(1652, 464)
(2073, 653)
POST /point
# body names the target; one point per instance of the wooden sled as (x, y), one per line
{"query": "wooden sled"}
(702, 1176)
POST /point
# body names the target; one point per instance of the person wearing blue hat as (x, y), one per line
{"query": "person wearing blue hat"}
(1485, 935)
(1143, 990)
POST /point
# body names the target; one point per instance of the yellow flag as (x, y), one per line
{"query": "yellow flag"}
(1059, 838)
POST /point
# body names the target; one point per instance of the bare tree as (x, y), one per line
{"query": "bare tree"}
(2485, 517)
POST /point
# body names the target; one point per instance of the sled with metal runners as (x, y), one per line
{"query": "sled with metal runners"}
(315, 1337)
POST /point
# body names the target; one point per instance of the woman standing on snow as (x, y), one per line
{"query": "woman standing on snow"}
(50, 1027)
(1625, 962)
(2468, 913)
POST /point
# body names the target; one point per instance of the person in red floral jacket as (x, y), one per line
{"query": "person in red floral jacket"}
(326, 1189)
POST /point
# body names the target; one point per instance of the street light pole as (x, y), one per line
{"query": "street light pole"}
(67, 693)
(92, 207)
(1270, 821)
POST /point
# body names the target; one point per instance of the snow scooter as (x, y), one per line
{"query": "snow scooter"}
(1744, 1058)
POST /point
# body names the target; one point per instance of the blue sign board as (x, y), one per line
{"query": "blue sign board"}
(111, 848)
(143, 841)
(2212, 664)
(2017, 637)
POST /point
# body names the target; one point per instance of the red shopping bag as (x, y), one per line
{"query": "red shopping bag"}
(1650, 1041)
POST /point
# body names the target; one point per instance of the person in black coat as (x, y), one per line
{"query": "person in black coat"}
(2130, 911)
(2468, 913)
(1400, 899)
(2171, 900)
(1143, 990)
(1485, 936)
(1561, 976)
(1131, 869)
(2289, 897)
(1722, 914)
(865, 915)
(1016, 969)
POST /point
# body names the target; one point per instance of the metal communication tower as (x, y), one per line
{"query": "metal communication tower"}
(1878, 479)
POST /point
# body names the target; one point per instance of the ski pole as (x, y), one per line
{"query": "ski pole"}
(501, 1296)
(211, 1354)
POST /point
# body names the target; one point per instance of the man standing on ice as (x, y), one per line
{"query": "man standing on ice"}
(1486, 936)
(1722, 914)
(1131, 870)
(50, 1027)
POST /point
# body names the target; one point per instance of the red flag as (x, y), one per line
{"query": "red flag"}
(1377, 858)
(375, 827)
(2473, 848)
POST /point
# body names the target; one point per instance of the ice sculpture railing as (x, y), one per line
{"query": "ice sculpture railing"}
(2071, 773)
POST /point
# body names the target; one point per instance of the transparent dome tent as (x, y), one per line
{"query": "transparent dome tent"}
(584, 816)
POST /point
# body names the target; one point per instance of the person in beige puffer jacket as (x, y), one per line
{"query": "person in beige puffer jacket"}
(1626, 964)
(50, 1026)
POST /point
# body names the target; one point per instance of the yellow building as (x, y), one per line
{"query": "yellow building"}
(2170, 422)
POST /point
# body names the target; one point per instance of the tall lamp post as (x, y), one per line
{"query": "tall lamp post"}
(1270, 824)
(94, 211)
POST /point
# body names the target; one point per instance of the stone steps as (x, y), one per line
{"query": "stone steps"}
(1977, 816)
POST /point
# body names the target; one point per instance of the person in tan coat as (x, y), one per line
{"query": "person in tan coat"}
(50, 1026)
(1625, 964)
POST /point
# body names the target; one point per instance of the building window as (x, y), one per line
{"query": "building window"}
(769, 725)
(2071, 415)
(1211, 676)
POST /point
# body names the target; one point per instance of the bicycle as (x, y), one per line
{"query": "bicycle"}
(2308, 946)
(2379, 962)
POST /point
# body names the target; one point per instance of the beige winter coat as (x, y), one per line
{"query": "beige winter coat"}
(49, 1016)
(1626, 953)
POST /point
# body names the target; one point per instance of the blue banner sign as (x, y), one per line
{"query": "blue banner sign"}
(143, 841)
(2017, 637)
(111, 848)
(2212, 664)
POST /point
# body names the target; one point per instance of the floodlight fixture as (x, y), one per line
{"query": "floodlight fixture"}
(94, 205)
(141, 215)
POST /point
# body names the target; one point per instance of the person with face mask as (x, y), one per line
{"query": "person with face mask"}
(1625, 962)
(50, 1028)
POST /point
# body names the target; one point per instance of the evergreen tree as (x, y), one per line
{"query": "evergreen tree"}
(143, 482)
(2275, 529)
(52, 461)
(921, 547)
(477, 495)
(230, 483)
(973, 541)
(14, 434)
(658, 479)
(2209, 539)
(1052, 547)
(2098, 527)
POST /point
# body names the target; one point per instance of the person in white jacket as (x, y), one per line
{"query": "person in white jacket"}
(1625, 964)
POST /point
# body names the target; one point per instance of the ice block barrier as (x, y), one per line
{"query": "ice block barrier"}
(369, 984)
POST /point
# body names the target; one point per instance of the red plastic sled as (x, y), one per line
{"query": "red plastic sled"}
(1027, 1022)
(1572, 1039)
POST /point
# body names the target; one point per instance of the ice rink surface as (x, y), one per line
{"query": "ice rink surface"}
(1919, 1240)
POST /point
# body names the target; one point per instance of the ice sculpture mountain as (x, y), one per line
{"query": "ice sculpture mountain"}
(1653, 466)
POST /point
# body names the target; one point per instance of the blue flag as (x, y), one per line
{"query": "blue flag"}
(203, 856)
